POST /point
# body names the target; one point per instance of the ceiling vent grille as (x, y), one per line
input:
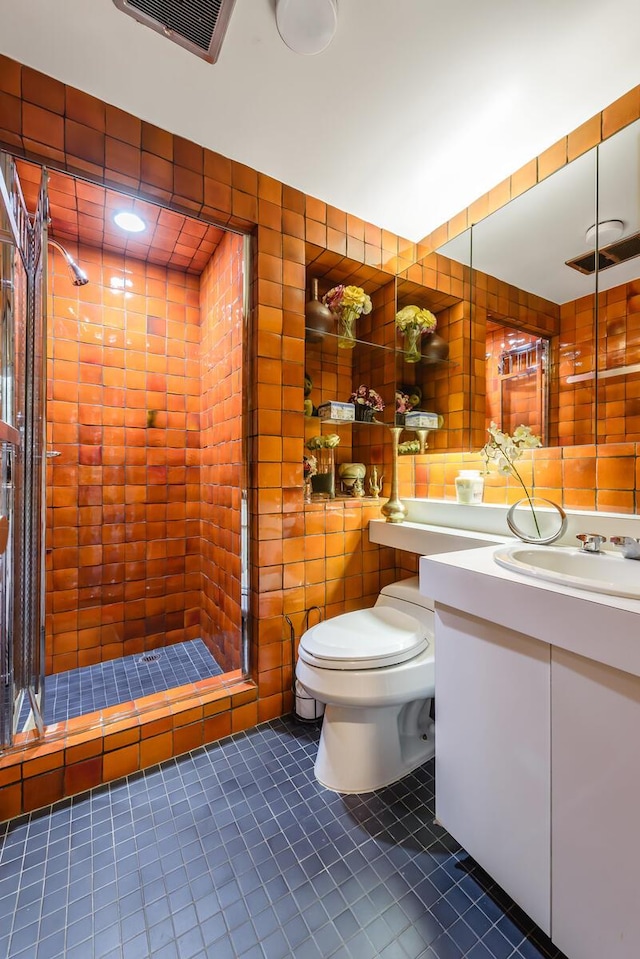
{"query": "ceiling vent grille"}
(618, 252)
(197, 25)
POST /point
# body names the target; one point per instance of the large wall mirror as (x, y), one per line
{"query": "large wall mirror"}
(555, 326)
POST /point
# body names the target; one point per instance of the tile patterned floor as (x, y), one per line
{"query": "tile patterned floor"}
(235, 852)
(80, 691)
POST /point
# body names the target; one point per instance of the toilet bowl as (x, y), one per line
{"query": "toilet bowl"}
(374, 671)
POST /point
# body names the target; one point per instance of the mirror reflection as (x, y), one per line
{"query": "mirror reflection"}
(561, 264)
(618, 339)
(517, 365)
(520, 280)
(441, 374)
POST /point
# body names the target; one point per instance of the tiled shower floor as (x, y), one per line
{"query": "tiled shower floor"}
(235, 852)
(80, 691)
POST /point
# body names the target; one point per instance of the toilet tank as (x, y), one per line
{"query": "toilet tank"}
(405, 595)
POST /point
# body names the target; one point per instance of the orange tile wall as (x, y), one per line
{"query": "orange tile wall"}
(221, 450)
(604, 477)
(123, 496)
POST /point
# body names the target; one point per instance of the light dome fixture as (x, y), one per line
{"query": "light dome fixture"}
(129, 221)
(307, 26)
(607, 231)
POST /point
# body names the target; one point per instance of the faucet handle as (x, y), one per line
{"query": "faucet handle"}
(591, 542)
(630, 547)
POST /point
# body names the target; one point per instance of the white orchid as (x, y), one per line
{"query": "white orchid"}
(503, 450)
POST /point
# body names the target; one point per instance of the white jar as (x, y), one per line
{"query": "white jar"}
(469, 486)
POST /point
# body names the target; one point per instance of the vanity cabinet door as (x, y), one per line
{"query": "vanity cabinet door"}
(493, 753)
(595, 809)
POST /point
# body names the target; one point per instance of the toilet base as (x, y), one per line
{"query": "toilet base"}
(364, 749)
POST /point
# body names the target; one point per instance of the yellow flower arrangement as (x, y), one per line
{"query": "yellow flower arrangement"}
(416, 318)
(352, 298)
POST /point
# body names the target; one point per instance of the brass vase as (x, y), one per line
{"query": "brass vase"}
(394, 510)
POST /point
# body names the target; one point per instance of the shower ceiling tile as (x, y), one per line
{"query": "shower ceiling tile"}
(82, 212)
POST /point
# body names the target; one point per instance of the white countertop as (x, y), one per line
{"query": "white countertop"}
(427, 538)
(601, 627)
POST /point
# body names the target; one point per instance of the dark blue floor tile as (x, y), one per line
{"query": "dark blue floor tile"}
(236, 852)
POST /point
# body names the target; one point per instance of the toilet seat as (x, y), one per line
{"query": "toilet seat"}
(364, 639)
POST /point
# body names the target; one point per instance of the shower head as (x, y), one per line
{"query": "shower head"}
(78, 276)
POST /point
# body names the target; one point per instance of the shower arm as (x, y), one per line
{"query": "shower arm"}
(78, 275)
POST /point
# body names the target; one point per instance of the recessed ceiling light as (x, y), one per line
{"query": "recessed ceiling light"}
(129, 221)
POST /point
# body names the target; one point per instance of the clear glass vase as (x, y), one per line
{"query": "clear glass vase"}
(347, 329)
(534, 519)
(323, 482)
(411, 346)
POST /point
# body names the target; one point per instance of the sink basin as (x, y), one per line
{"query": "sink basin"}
(598, 572)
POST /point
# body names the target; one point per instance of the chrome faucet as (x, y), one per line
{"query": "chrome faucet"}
(629, 546)
(591, 542)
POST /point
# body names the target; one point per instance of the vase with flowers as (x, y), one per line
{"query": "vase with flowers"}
(407, 398)
(322, 471)
(541, 521)
(413, 322)
(348, 303)
(366, 402)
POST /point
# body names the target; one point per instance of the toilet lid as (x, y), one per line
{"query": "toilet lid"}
(365, 639)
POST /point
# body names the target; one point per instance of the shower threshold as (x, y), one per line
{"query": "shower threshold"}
(89, 688)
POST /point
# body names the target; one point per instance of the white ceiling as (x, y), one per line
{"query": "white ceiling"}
(416, 108)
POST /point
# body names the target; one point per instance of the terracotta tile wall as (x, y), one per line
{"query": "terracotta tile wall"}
(48, 121)
(221, 456)
(619, 345)
(123, 496)
(617, 404)
(572, 406)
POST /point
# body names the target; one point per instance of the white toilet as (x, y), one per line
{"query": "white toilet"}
(374, 671)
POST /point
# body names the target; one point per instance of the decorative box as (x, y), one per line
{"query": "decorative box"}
(419, 420)
(333, 412)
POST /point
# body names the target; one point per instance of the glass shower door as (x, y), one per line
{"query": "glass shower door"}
(22, 384)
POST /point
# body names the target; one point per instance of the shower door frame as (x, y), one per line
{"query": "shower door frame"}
(22, 439)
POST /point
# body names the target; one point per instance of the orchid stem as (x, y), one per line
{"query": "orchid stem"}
(526, 492)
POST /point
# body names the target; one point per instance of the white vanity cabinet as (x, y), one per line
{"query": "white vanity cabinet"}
(538, 745)
(493, 753)
(595, 808)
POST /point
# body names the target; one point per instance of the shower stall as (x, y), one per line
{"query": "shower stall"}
(123, 520)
